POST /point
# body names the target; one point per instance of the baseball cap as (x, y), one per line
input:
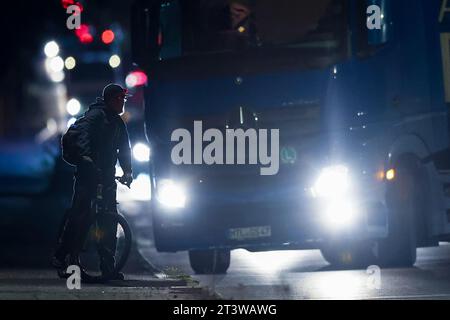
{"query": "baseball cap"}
(114, 89)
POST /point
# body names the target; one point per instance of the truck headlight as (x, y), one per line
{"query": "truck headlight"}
(340, 214)
(171, 194)
(334, 185)
(333, 182)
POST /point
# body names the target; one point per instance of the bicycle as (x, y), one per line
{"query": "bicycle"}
(88, 258)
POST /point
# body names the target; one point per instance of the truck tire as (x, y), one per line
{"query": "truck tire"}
(403, 201)
(403, 198)
(214, 261)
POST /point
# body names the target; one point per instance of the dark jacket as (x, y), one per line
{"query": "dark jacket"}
(104, 138)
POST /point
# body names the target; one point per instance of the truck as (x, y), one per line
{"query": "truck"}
(354, 94)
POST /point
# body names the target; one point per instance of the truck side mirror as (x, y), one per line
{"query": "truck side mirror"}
(144, 32)
(379, 21)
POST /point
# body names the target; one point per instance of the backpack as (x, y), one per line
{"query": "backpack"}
(69, 144)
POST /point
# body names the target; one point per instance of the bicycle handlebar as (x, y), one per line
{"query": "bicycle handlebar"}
(125, 184)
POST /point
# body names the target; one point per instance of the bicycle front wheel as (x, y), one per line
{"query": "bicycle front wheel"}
(106, 248)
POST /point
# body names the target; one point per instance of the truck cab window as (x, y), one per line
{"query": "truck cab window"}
(316, 28)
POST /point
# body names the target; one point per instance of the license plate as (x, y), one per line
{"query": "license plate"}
(250, 233)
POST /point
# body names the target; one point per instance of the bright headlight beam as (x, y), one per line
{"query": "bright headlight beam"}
(339, 210)
(170, 194)
(332, 182)
(340, 214)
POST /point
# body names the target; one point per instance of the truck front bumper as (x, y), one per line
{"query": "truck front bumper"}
(264, 226)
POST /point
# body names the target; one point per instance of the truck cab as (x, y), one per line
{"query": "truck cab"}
(355, 115)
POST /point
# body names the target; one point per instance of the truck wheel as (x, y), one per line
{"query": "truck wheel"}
(349, 254)
(403, 200)
(209, 261)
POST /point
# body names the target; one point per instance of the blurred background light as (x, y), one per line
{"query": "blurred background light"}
(86, 38)
(131, 80)
(136, 78)
(54, 65)
(51, 49)
(141, 152)
(83, 29)
(52, 126)
(108, 36)
(80, 6)
(66, 3)
(57, 76)
(70, 122)
(83, 34)
(73, 107)
(70, 63)
(114, 61)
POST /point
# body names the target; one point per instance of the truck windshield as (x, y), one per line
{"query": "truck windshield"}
(207, 26)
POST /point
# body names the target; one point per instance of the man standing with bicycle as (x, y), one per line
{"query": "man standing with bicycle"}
(102, 140)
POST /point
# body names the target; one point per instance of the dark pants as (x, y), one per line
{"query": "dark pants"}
(76, 222)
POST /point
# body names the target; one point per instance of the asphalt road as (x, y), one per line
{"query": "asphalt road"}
(28, 229)
(266, 275)
(303, 274)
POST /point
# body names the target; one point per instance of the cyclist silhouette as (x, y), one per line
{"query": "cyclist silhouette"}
(102, 141)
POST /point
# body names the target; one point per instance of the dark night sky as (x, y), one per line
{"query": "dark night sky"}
(26, 26)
